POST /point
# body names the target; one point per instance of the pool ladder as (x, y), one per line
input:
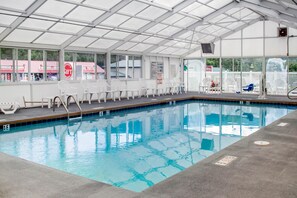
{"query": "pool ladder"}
(66, 106)
(292, 91)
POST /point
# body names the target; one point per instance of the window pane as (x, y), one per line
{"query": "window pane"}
(252, 73)
(292, 76)
(113, 66)
(101, 72)
(231, 75)
(52, 65)
(213, 73)
(37, 65)
(137, 67)
(6, 65)
(131, 67)
(121, 72)
(85, 67)
(21, 69)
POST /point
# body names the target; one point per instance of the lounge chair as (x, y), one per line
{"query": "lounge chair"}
(9, 107)
(248, 88)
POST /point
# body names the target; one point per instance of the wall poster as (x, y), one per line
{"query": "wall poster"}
(157, 70)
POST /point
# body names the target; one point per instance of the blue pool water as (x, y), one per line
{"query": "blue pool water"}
(135, 149)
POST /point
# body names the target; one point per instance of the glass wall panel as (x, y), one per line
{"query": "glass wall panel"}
(37, 65)
(101, 66)
(292, 75)
(52, 65)
(121, 66)
(85, 67)
(276, 76)
(113, 66)
(6, 65)
(212, 73)
(231, 74)
(252, 74)
(134, 67)
(69, 62)
(22, 66)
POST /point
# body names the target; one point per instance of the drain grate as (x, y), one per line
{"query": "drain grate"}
(282, 124)
(226, 160)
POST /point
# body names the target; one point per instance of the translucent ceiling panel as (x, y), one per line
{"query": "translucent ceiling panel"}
(85, 14)
(207, 39)
(151, 13)
(103, 43)
(97, 32)
(228, 19)
(115, 20)
(185, 22)
(133, 8)
(233, 10)
(153, 40)
(67, 28)
(139, 38)
(7, 19)
(37, 24)
(2, 29)
(83, 42)
(169, 50)
(22, 36)
(169, 31)
(158, 49)
(172, 19)
(126, 46)
(186, 35)
(171, 43)
(106, 4)
(180, 52)
(181, 45)
(17, 4)
(191, 7)
(55, 8)
(52, 39)
(134, 24)
(242, 13)
(202, 11)
(116, 35)
(168, 3)
(157, 28)
(218, 18)
(251, 16)
(219, 4)
(140, 47)
(221, 32)
(235, 25)
(211, 29)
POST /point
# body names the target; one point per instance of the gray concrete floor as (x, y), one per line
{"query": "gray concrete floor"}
(259, 171)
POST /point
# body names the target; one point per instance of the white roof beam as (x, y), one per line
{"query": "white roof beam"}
(34, 6)
(97, 21)
(226, 35)
(168, 14)
(198, 23)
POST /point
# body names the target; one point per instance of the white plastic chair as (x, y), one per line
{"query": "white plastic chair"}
(9, 107)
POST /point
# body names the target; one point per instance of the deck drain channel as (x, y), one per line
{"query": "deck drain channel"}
(261, 143)
(282, 124)
(225, 161)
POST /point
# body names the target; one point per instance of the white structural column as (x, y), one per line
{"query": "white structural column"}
(61, 64)
(195, 25)
(21, 18)
(263, 92)
(143, 67)
(221, 70)
(108, 69)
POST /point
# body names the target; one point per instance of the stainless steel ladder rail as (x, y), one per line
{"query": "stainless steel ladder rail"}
(291, 91)
(77, 104)
(65, 107)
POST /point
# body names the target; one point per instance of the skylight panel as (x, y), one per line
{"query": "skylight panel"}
(97, 32)
(139, 38)
(22, 36)
(218, 18)
(202, 11)
(103, 43)
(173, 19)
(117, 35)
(115, 20)
(140, 47)
(66, 28)
(219, 4)
(151, 13)
(126, 46)
(133, 8)
(37, 24)
(169, 50)
(171, 3)
(6, 19)
(83, 42)
(52, 39)
(134, 24)
(191, 7)
(85, 14)
(185, 22)
(2, 29)
(207, 39)
(106, 4)
(169, 31)
(242, 13)
(153, 40)
(180, 52)
(186, 35)
(55, 8)
(157, 28)
(17, 4)
(235, 25)
(171, 43)
(159, 49)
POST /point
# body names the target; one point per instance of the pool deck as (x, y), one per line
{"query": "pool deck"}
(259, 171)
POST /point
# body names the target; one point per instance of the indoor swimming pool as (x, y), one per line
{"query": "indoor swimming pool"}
(138, 148)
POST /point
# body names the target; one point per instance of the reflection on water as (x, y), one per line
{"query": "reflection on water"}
(136, 149)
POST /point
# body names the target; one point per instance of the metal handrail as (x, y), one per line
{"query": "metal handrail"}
(65, 107)
(77, 104)
(288, 94)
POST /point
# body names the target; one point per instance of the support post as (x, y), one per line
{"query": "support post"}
(108, 69)
(61, 65)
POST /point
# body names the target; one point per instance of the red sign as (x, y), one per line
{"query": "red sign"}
(67, 70)
(208, 68)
